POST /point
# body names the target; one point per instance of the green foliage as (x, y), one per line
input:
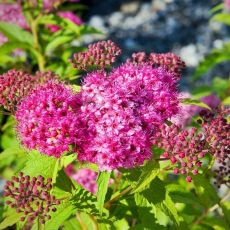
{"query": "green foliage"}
(102, 183)
(189, 101)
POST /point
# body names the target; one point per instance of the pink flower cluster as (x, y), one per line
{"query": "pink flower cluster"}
(169, 61)
(216, 130)
(47, 119)
(227, 4)
(14, 85)
(184, 148)
(100, 55)
(119, 113)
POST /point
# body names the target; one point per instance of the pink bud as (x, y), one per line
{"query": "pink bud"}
(189, 179)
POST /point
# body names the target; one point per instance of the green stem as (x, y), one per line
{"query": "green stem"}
(109, 203)
(34, 29)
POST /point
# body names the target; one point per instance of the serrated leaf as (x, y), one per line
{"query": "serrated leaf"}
(64, 211)
(16, 33)
(102, 184)
(40, 164)
(149, 172)
(189, 101)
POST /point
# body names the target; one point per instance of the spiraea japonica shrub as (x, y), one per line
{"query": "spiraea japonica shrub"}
(115, 153)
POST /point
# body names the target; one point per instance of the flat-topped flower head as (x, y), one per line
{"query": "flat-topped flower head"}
(47, 119)
(31, 197)
(99, 55)
(119, 112)
(15, 85)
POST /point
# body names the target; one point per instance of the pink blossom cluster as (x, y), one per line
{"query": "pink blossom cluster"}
(119, 113)
(14, 85)
(100, 55)
(169, 61)
(47, 119)
(216, 130)
(184, 148)
(31, 197)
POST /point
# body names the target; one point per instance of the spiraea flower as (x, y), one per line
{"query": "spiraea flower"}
(15, 85)
(216, 129)
(99, 55)
(47, 119)
(169, 61)
(119, 112)
(183, 148)
(31, 196)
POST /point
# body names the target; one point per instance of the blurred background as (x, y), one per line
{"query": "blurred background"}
(180, 26)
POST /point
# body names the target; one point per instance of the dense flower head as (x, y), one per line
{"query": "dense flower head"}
(216, 129)
(67, 15)
(169, 61)
(119, 112)
(31, 196)
(184, 148)
(47, 119)
(100, 55)
(14, 85)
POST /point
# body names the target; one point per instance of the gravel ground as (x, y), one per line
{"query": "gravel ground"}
(180, 26)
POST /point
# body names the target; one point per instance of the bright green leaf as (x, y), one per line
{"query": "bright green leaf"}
(102, 184)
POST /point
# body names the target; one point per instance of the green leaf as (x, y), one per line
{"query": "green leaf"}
(8, 47)
(76, 88)
(226, 101)
(72, 224)
(222, 17)
(64, 211)
(58, 41)
(10, 154)
(16, 33)
(40, 164)
(206, 192)
(189, 101)
(84, 201)
(215, 57)
(10, 220)
(102, 183)
(149, 172)
(66, 160)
